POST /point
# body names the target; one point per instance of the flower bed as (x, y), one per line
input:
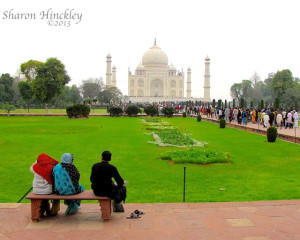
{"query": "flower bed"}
(196, 156)
(173, 138)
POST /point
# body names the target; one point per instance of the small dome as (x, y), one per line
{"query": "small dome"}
(108, 55)
(172, 68)
(155, 56)
(140, 67)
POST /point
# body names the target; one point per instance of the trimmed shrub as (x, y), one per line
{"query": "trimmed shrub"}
(151, 110)
(7, 108)
(222, 123)
(168, 111)
(133, 110)
(184, 114)
(272, 134)
(115, 111)
(199, 118)
(78, 111)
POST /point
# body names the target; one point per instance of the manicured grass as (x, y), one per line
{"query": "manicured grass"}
(259, 170)
(21, 110)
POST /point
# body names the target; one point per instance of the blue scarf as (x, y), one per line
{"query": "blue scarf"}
(63, 184)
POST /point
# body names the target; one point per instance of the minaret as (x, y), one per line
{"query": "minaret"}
(114, 80)
(108, 70)
(188, 83)
(207, 80)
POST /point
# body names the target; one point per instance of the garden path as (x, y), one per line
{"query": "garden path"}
(264, 220)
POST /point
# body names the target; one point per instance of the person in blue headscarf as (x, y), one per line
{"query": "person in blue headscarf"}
(66, 181)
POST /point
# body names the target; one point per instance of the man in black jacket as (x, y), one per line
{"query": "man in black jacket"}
(102, 184)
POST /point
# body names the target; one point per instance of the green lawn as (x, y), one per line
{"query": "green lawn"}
(260, 170)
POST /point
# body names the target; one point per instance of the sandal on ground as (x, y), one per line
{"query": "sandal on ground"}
(133, 216)
(138, 212)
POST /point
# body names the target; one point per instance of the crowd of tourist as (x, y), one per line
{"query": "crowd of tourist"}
(266, 117)
(280, 118)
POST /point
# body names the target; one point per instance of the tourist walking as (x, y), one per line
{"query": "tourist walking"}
(289, 120)
(284, 115)
(266, 120)
(271, 117)
(279, 120)
(244, 116)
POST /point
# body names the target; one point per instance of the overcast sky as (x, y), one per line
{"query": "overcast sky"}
(239, 36)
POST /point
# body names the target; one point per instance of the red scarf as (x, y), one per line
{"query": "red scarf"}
(44, 166)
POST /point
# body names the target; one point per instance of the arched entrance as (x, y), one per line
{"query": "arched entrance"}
(157, 88)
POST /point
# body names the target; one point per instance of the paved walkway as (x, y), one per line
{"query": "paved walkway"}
(291, 135)
(263, 220)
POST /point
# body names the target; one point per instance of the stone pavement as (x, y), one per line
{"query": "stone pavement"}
(291, 135)
(263, 220)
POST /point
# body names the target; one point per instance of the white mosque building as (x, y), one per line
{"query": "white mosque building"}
(156, 81)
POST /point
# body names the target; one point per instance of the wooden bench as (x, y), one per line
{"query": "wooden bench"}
(36, 201)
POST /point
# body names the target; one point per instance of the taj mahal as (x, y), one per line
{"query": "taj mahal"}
(157, 81)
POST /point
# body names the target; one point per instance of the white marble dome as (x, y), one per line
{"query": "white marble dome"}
(140, 67)
(172, 67)
(155, 57)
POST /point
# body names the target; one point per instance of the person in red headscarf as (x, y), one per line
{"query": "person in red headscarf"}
(43, 181)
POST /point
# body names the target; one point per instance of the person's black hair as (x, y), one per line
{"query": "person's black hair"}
(106, 156)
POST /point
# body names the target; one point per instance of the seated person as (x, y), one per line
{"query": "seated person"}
(102, 184)
(66, 179)
(43, 182)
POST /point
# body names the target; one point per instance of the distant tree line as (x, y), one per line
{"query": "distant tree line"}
(279, 90)
(43, 85)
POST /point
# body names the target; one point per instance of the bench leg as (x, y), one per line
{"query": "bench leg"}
(35, 209)
(105, 209)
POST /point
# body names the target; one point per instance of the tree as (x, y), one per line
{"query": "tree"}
(242, 104)
(233, 103)
(6, 88)
(241, 90)
(50, 79)
(92, 87)
(219, 103)
(257, 91)
(8, 108)
(74, 95)
(292, 97)
(282, 81)
(254, 79)
(111, 95)
(276, 103)
(26, 92)
(29, 69)
(17, 78)
(236, 91)
(68, 95)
